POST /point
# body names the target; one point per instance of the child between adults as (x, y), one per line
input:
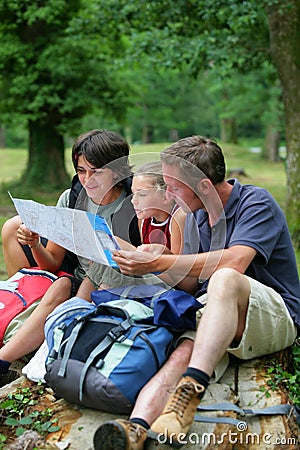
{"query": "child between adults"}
(161, 221)
(100, 158)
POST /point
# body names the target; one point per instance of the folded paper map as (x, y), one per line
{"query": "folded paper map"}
(81, 232)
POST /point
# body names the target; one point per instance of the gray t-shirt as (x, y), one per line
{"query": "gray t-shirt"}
(63, 200)
(86, 204)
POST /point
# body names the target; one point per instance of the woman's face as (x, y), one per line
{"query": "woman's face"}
(147, 200)
(98, 183)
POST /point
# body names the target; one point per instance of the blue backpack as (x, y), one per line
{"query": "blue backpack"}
(101, 355)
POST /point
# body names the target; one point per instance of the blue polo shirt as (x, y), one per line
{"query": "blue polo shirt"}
(253, 218)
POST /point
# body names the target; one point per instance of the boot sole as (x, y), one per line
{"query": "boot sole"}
(110, 436)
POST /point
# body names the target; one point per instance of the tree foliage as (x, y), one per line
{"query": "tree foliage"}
(195, 34)
(53, 70)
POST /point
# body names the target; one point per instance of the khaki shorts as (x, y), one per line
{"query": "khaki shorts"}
(269, 327)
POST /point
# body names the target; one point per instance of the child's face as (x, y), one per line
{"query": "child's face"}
(147, 200)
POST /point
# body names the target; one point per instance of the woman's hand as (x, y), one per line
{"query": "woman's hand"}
(27, 237)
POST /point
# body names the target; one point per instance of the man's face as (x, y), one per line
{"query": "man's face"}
(179, 190)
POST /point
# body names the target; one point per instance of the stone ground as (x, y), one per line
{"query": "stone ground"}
(243, 384)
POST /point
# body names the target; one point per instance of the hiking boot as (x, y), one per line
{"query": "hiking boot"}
(120, 435)
(178, 415)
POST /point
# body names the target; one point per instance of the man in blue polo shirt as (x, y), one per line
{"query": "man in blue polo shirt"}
(239, 261)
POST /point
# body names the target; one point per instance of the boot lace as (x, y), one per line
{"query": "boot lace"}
(182, 396)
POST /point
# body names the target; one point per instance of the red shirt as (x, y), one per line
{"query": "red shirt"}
(158, 233)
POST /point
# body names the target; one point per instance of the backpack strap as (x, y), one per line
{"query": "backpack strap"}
(112, 336)
(72, 339)
(283, 409)
(69, 347)
(76, 187)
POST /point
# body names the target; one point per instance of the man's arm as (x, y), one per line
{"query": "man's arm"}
(178, 267)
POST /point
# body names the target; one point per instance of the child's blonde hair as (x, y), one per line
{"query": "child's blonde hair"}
(153, 170)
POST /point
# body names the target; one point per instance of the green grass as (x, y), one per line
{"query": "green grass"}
(13, 163)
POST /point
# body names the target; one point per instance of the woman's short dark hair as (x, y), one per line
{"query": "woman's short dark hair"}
(197, 157)
(103, 148)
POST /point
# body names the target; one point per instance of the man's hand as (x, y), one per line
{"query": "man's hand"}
(140, 261)
(155, 249)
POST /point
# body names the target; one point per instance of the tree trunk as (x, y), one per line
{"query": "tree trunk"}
(228, 130)
(173, 135)
(46, 163)
(2, 137)
(284, 22)
(270, 149)
(147, 136)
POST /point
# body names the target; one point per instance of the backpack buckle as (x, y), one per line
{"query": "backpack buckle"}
(117, 332)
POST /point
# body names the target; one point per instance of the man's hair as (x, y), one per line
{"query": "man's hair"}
(153, 170)
(197, 157)
(103, 148)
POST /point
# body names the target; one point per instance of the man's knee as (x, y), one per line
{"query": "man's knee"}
(224, 279)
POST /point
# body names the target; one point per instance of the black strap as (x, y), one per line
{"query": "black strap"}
(76, 188)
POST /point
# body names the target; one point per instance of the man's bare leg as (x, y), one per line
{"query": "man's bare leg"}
(222, 323)
(154, 395)
(224, 318)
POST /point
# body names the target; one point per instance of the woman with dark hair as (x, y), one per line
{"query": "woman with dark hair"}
(101, 186)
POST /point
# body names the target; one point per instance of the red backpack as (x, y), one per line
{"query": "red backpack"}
(22, 290)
